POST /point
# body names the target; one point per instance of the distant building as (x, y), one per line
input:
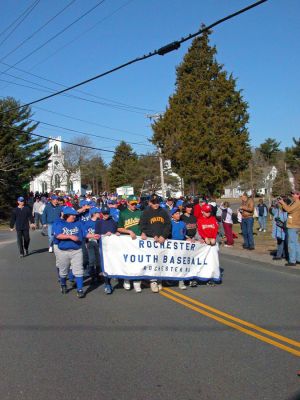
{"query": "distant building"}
(56, 176)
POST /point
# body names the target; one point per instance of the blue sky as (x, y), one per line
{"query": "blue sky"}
(260, 48)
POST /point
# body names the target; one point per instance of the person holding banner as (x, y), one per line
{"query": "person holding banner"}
(106, 226)
(129, 224)
(178, 233)
(208, 225)
(155, 223)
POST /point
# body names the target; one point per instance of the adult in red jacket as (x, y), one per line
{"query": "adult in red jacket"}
(207, 225)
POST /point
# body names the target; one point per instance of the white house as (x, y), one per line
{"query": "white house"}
(56, 177)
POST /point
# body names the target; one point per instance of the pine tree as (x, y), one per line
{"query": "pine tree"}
(292, 158)
(26, 154)
(122, 168)
(203, 131)
(269, 149)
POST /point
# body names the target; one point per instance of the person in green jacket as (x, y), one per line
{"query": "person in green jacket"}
(128, 224)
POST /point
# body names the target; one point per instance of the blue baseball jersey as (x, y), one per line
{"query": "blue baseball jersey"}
(178, 230)
(89, 227)
(69, 228)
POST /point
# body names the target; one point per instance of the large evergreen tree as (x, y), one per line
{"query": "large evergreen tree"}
(292, 158)
(203, 131)
(123, 166)
(24, 153)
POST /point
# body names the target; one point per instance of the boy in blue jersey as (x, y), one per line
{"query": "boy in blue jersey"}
(114, 211)
(178, 233)
(106, 226)
(69, 252)
(92, 243)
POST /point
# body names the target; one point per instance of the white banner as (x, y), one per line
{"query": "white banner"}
(140, 259)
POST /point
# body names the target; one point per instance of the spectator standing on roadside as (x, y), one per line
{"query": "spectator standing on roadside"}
(21, 217)
(227, 223)
(247, 210)
(279, 230)
(293, 227)
(262, 213)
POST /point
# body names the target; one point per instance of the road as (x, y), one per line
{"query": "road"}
(148, 346)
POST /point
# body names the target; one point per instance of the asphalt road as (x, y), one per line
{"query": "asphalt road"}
(147, 346)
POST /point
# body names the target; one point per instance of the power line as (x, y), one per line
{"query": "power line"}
(86, 133)
(60, 84)
(161, 51)
(81, 34)
(57, 34)
(73, 40)
(38, 30)
(63, 141)
(47, 89)
(22, 17)
(91, 122)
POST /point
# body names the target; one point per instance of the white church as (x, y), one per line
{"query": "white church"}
(56, 177)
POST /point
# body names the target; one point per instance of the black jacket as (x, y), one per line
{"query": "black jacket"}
(21, 217)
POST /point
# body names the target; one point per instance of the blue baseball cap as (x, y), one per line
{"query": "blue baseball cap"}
(94, 210)
(105, 210)
(175, 210)
(69, 211)
(179, 203)
(111, 202)
(20, 198)
(54, 197)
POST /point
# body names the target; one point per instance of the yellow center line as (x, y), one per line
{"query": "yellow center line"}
(225, 322)
(232, 318)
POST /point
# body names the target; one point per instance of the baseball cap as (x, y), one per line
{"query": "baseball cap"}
(179, 203)
(105, 210)
(206, 208)
(154, 199)
(54, 197)
(20, 198)
(111, 202)
(94, 210)
(132, 199)
(175, 210)
(69, 211)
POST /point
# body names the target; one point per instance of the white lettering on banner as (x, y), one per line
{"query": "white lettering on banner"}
(146, 259)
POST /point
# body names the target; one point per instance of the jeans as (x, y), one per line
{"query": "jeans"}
(293, 244)
(262, 222)
(247, 230)
(37, 219)
(50, 236)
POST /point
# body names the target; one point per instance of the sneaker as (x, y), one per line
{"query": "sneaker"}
(50, 249)
(137, 286)
(64, 289)
(276, 258)
(251, 248)
(228, 245)
(264, 230)
(260, 230)
(159, 285)
(26, 252)
(154, 287)
(289, 264)
(107, 289)
(80, 294)
(126, 285)
(181, 285)
(21, 255)
(193, 283)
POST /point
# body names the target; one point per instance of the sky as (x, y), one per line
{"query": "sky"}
(260, 48)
